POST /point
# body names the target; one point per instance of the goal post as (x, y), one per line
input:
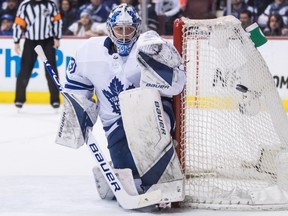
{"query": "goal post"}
(231, 127)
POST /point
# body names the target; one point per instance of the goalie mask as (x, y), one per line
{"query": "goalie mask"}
(123, 25)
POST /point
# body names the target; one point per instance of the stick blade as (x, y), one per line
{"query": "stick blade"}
(38, 49)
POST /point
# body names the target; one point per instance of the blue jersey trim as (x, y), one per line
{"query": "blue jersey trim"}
(79, 84)
(73, 87)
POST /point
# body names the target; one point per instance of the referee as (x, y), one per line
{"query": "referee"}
(40, 22)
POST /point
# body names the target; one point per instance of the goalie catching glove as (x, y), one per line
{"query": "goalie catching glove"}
(160, 64)
(79, 115)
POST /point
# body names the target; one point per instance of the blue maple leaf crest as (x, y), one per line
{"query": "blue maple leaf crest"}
(115, 88)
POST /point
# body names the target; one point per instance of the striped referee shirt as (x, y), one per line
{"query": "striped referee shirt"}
(38, 20)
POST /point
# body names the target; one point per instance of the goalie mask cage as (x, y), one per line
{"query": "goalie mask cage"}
(232, 129)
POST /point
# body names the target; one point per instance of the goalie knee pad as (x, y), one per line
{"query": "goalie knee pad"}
(78, 116)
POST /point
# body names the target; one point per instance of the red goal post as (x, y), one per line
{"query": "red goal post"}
(177, 41)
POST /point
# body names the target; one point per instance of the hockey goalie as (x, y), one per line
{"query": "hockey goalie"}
(134, 77)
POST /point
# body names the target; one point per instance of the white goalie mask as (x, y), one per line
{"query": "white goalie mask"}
(123, 25)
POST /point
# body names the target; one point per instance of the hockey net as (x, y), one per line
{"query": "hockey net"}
(232, 129)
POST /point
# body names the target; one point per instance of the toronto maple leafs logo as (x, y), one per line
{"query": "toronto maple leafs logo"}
(115, 88)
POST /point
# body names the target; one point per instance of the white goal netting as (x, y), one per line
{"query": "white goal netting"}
(234, 130)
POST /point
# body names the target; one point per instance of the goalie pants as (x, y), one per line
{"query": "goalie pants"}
(121, 155)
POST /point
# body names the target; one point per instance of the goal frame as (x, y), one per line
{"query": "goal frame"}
(177, 42)
(179, 110)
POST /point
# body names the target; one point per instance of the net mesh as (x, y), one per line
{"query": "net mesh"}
(233, 125)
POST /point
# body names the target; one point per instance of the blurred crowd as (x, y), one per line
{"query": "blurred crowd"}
(86, 18)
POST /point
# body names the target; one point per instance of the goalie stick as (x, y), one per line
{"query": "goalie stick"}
(126, 200)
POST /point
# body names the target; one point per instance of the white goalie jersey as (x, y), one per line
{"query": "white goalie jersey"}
(97, 67)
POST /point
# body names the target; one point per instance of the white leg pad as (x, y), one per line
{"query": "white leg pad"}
(124, 175)
(149, 139)
(144, 125)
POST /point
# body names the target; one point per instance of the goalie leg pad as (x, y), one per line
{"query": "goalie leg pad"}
(124, 176)
(149, 139)
(78, 116)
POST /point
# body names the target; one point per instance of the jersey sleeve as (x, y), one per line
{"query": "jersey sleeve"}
(75, 81)
(57, 21)
(20, 24)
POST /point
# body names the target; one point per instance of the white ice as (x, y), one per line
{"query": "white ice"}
(41, 178)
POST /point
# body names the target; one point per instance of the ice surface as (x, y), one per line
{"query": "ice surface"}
(41, 178)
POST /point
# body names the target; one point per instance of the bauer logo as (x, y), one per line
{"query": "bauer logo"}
(62, 124)
(160, 117)
(160, 86)
(105, 167)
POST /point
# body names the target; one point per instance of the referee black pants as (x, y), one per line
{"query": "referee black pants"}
(28, 59)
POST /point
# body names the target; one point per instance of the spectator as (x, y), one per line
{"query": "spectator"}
(238, 6)
(98, 10)
(200, 9)
(3, 5)
(260, 6)
(128, 2)
(6, 24)
(245, 18)
(220, 4)
(78, 3)
(152, 18)
(68, 15)
(86, 27)
(170, 10)
(275, 25)
(11, 8)
(113, 3)
(277, 7)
